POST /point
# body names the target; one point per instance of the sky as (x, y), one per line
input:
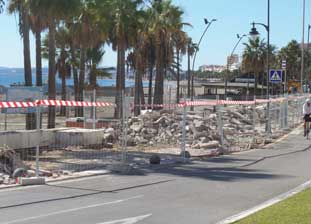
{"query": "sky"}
(233, 17)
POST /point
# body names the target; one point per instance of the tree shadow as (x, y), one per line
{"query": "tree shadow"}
(226, 174)
(138, 162)
(227, 159)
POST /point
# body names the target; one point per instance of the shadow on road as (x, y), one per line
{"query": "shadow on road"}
(217, 173)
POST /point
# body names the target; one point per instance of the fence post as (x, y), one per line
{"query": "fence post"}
(67, 109)
(254, 119)
(94, 109)
(297, 111)
(38, 112)
(169, 97)
(220, 124)
(268, 118)
(83, 108)
(183, 143)
(281, 113)
(124, 128)
(286, 112)
(5, 120)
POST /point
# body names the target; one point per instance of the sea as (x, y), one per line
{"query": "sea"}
(15, 76)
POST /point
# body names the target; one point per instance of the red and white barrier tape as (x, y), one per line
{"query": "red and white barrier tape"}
(258, 101)
(106, 104)
(17, 104)
(179, 105)
(201, 103)
(232, 102)
(73, 103)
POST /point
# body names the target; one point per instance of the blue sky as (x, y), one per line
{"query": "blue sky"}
(233, 16)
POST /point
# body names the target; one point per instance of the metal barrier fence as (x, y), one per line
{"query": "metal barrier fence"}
(213, 127)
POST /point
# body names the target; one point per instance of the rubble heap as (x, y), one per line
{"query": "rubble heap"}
(165, 127)
(9, 161)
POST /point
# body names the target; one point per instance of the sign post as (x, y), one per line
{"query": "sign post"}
(284, 68)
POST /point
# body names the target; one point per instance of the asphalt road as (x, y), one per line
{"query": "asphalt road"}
(199, 192)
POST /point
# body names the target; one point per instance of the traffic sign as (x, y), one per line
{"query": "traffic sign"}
(284, 64)
(275, 76)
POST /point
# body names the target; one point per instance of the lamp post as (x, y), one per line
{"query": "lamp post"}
(309, 27)
(254, 34)
(208, 24)
(229, 61)
(303, 45)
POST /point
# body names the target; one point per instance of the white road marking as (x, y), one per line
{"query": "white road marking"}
(71, 210)
(266, 204)
(131, 220)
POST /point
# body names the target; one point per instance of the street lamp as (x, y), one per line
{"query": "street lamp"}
(303, 45)
(230, 58)
(208, 24)
(254, 34)
(309, 27)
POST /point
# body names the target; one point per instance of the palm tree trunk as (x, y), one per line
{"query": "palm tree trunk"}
(189, 76)
(150, 85)
(30, 118)
(262, 83)
(26, 44)
(159, 82)
(178, 78)
(93, 76)
(81, 79)
(51, 75)
(75, 78)
(64, 94)
(137, 93)
(117, 99)
(256, 83)
(93, 85)
(120, 82)
(38, 59)
(141, 91)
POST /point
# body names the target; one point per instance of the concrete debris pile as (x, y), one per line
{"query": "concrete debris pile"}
(10, 166)
(9, 161)
(165, 127)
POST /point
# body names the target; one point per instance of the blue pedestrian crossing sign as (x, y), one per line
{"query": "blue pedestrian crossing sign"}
(275, 76)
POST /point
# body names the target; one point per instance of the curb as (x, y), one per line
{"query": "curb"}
(266, 204)
(271, 144)
(58, 180)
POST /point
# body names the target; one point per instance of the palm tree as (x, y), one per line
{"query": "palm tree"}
(63, 67)
(22, 8)
(151, 58)
(37, 25)
(165, 20)
(1, 5)
(122, 14)
(254, 58)
(180, 41)
(88, 31)
(292, 54)
(94, 57)
(53, 12)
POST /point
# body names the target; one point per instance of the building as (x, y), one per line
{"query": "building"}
(212, 68)
(233, 62)
(233, 59)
